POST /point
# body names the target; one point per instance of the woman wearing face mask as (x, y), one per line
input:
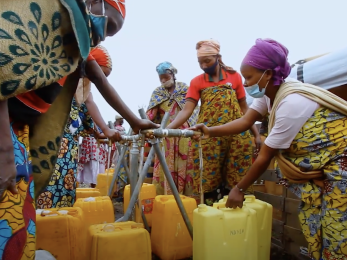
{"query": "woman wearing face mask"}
(307, 136)
(170, 97)
(41, 43)
(223, 99)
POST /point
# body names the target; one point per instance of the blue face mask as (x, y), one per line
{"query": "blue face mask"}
(254, 90)
(211, 70)
(99, 26)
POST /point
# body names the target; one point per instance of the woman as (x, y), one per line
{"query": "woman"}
(307, 129)
(61, 189)
(223, 99)
(93, 158)
(17, 203)
(118, 125)
(170, 97)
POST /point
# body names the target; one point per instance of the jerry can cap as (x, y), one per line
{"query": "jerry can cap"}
(89, 199)
(202, 208)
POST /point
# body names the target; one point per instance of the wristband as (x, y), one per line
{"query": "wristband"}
(241, 190)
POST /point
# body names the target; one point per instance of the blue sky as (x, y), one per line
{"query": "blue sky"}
(163, 30)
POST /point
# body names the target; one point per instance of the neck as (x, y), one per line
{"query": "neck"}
(171, 89)
(215, 75)
(271, 91)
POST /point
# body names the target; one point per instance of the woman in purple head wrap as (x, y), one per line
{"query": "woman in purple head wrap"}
(269, 55)
(307, 129)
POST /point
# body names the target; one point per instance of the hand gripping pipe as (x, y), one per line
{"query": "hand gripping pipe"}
(156, 148)
(142, 177)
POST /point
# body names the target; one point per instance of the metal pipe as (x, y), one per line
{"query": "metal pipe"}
(118, 164)
(138, 186)
(173, 188)
(134, 164)
(116, 169)
(165, 120)
(111, 126)
(142, 152)
(142, 175)
(119, 148)
(151, 133)
(160, 133)
(144, 220)
(142, 113)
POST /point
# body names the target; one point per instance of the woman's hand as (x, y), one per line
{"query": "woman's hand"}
(235, 199)
(8, 174)
(201, 128)
(258, 142)
(112, 135)
(143, 124)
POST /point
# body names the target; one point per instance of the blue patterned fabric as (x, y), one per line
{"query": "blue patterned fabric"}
(163, 68)
(61, 190)
(160, 95)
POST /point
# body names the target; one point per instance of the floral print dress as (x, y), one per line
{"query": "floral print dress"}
(61, 190)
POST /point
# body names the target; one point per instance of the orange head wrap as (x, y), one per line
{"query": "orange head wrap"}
(208, 48)
(101, 56)
(211, 48)
(119, 5)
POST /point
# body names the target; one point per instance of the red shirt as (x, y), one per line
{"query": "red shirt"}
(204, 81)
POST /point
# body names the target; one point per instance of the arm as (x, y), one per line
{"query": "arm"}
(97, 76)
(265, 156)
(99, 121)
(8, 169)
(183, 115)
(95, 113)
(235, 127)
(257, 138)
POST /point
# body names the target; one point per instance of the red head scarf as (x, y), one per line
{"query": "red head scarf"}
(101, 56)
(119, 5)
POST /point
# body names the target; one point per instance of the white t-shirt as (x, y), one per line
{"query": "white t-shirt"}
(292, 113)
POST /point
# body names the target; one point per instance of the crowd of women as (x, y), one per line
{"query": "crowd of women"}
(46, 105)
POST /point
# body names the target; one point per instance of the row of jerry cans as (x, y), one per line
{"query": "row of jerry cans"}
(88, 231)
(170, 238)
(219, 232)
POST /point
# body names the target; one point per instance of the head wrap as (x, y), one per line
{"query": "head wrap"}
(163, 68)
(118, 117)
(103, 58)
(119, 5)
(269, 54)
(211, 48)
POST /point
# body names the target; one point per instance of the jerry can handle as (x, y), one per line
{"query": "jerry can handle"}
(45, 213)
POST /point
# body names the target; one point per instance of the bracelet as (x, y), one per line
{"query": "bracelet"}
(241, 190)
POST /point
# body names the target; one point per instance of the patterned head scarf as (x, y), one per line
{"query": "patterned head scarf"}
(101, 56)
(210, 48)
(163, 68)
(119, 5)
(269, 54)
